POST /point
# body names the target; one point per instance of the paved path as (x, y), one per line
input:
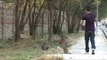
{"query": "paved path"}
(78, 52)
(101, 45)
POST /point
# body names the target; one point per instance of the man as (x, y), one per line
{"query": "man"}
(89, 19)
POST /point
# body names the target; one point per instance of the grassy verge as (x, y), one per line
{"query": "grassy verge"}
(27, 49)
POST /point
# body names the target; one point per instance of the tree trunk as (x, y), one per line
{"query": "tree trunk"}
(20, 17)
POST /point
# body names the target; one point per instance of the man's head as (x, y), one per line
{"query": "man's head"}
(88, 9)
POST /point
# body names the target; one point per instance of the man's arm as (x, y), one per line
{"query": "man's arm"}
(82, 22)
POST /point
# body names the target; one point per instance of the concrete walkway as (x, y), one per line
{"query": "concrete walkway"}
(78, 50)
(101, 45)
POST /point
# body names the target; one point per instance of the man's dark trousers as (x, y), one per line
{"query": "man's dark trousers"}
(89, 35)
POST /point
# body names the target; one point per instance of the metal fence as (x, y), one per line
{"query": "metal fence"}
(6, 21)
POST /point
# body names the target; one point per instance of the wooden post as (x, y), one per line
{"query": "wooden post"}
(2, 21)
(42, 24)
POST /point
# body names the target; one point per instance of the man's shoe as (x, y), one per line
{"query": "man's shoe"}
(93, 52)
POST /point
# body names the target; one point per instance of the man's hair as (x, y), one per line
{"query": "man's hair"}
(88, 8)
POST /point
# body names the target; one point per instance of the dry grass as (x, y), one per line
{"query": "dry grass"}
(50, 57)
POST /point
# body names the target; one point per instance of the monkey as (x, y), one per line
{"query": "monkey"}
(63, 43)
(45, 46)
(50, 57)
